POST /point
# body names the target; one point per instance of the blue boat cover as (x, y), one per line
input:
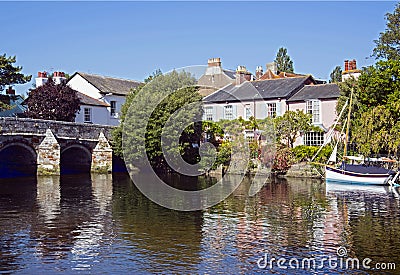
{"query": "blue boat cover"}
(366, 169)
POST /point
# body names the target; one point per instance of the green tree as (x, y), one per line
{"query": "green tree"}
(388, 44)
(289, 126)
(53, 102)
(375, 120)
(336, 75)
(11, 74)
(283, 61)
(184, 92)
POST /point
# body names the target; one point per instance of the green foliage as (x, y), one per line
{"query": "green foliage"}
(289, 126)
(4, 106)
(10, 74)
(283, 61)
(336, 75)
(388, 44)
(183, 93)
(53, 102)
(305, 153)
(380, 84)
(375, 112)
(223, 154)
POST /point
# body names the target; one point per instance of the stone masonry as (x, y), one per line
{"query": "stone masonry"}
(102, 156)
(49, 138)
(48, 155)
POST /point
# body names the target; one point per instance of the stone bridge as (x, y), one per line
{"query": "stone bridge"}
(30, 146)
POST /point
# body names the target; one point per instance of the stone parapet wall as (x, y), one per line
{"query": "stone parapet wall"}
(61, 129)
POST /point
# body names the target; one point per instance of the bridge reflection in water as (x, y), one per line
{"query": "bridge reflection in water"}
(102, 224)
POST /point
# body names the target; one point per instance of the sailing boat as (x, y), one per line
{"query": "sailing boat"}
(359, 173)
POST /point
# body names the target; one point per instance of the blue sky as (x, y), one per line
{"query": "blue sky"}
(132, 39)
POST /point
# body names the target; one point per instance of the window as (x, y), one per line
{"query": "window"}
(113, 108)
(314, 138)
(313, 108)
(271, 109)
(208, 113)
(87, 115)
(247, 110)
(228, 112)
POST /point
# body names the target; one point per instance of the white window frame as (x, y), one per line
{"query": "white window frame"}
(314, 138)
(247, 111)
(313, 107)
(113, 109)
(228, 112)
(87, 115)
(271, 109)
(208, 113)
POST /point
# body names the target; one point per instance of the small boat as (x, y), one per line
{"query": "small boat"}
(361, 174)
(369, 171)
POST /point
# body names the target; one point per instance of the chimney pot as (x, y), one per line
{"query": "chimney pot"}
(214, 62)
(10, 91)
(346, 65)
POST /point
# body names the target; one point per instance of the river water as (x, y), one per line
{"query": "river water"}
(102, 224)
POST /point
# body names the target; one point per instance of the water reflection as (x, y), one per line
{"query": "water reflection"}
(103, 224)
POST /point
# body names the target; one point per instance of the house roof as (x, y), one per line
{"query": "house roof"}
(16, 103)
(261, 89)
(229, 73)
(323, 91)
(87, 100)
(106, 84)
(271, 75)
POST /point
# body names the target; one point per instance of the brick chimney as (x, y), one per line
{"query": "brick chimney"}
(259, 72)
(353, 65)
(346, 65)
(41, 79)
(214, 62)
(10, 91)
(242, 75)
(59, 77)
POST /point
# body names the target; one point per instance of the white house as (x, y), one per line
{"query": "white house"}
(109, 91)
(273, 97)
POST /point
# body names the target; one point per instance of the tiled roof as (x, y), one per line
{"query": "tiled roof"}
(324, 91)
(107, 84)
(265, 89)
(229, 73)
(87, 100)
(16, 103)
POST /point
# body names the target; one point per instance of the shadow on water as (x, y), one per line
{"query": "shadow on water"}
(165, 239)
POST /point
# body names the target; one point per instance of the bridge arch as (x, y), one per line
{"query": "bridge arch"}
(17, 159)
(75, 159)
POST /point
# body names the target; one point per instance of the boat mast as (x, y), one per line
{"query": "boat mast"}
(348, 123)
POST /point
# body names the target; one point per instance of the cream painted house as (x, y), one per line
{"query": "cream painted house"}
(273, 97)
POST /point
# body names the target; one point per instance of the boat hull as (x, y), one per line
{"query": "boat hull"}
(339, 175)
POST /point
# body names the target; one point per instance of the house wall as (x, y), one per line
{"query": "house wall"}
(328, 115)
(120, 100)
(328, 112)
(100, 115)
(82, 85)
(260, 110)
